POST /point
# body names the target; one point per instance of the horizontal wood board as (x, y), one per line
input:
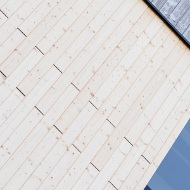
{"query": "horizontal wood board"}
(93, 93)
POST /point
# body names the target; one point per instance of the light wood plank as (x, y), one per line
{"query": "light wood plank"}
(76, 65)
(47, 164)
(10, 45)
(61, 169)
(27, 105)
(122, 128)
(94, 84)
(86, 178)
(31, 162)
(111, 166)
(38, 15)
(152, 109)
(24, 68)
(31, 41)
(3, 18)
(3, 2)
(17, 136)
(86, 156)
(78, 8)
(55, 53)
(109, 186)
(11, 6)
(126, 167)
(17, 18)
(135, 174)
(10, 104)
(88, 97)
(30, 143)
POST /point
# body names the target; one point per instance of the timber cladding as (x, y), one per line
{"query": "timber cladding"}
(93, 93)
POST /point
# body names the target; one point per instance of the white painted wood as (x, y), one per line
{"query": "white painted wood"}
(10, 45)
(86, 156)
(113, 42)
(17, 76)
(10, 145)
(3, 2)
(55, 52)
(109, 186)
(17, 18)
(73, 66)
(142, 183)
(111, 166)
(135, 174)
(11, 6)
(86, 178)
(61, 169)
(151, 111)
(33, 160)
(141, 81)
(3, 18)
(10, 104)
(4, 90)
(126, 167)
(46, 166)
(77, 126)
(135, 111)
(79, 7)
(95, 85)
(31, 41)
(24, 68)
(37, 135)
(37, 16)
(97, 31)
(2, 78)
(27, 105)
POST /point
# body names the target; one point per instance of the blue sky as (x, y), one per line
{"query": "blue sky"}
(174, 171)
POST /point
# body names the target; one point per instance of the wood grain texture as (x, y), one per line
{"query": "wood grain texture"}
(92, 93)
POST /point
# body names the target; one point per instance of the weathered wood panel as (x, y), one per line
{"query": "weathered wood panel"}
(177, 13)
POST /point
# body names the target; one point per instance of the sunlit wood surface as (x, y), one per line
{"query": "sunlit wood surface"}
(93, 93)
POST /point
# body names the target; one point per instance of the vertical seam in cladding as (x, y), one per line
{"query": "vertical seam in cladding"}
(40, 51)
(112, 185)
(39, 110)
(20, 91)
(76, 148)
(145, 159)
(94, 166)
(58, 129)
(3, 74)
(4, 14)
(22, 32)
(75, 87)
(93, 105)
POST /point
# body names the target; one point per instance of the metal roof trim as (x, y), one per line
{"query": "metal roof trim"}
(150, 4)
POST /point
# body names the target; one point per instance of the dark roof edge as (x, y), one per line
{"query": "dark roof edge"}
(151, 5)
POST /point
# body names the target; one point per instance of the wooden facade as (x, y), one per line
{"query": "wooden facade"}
(93, 93)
